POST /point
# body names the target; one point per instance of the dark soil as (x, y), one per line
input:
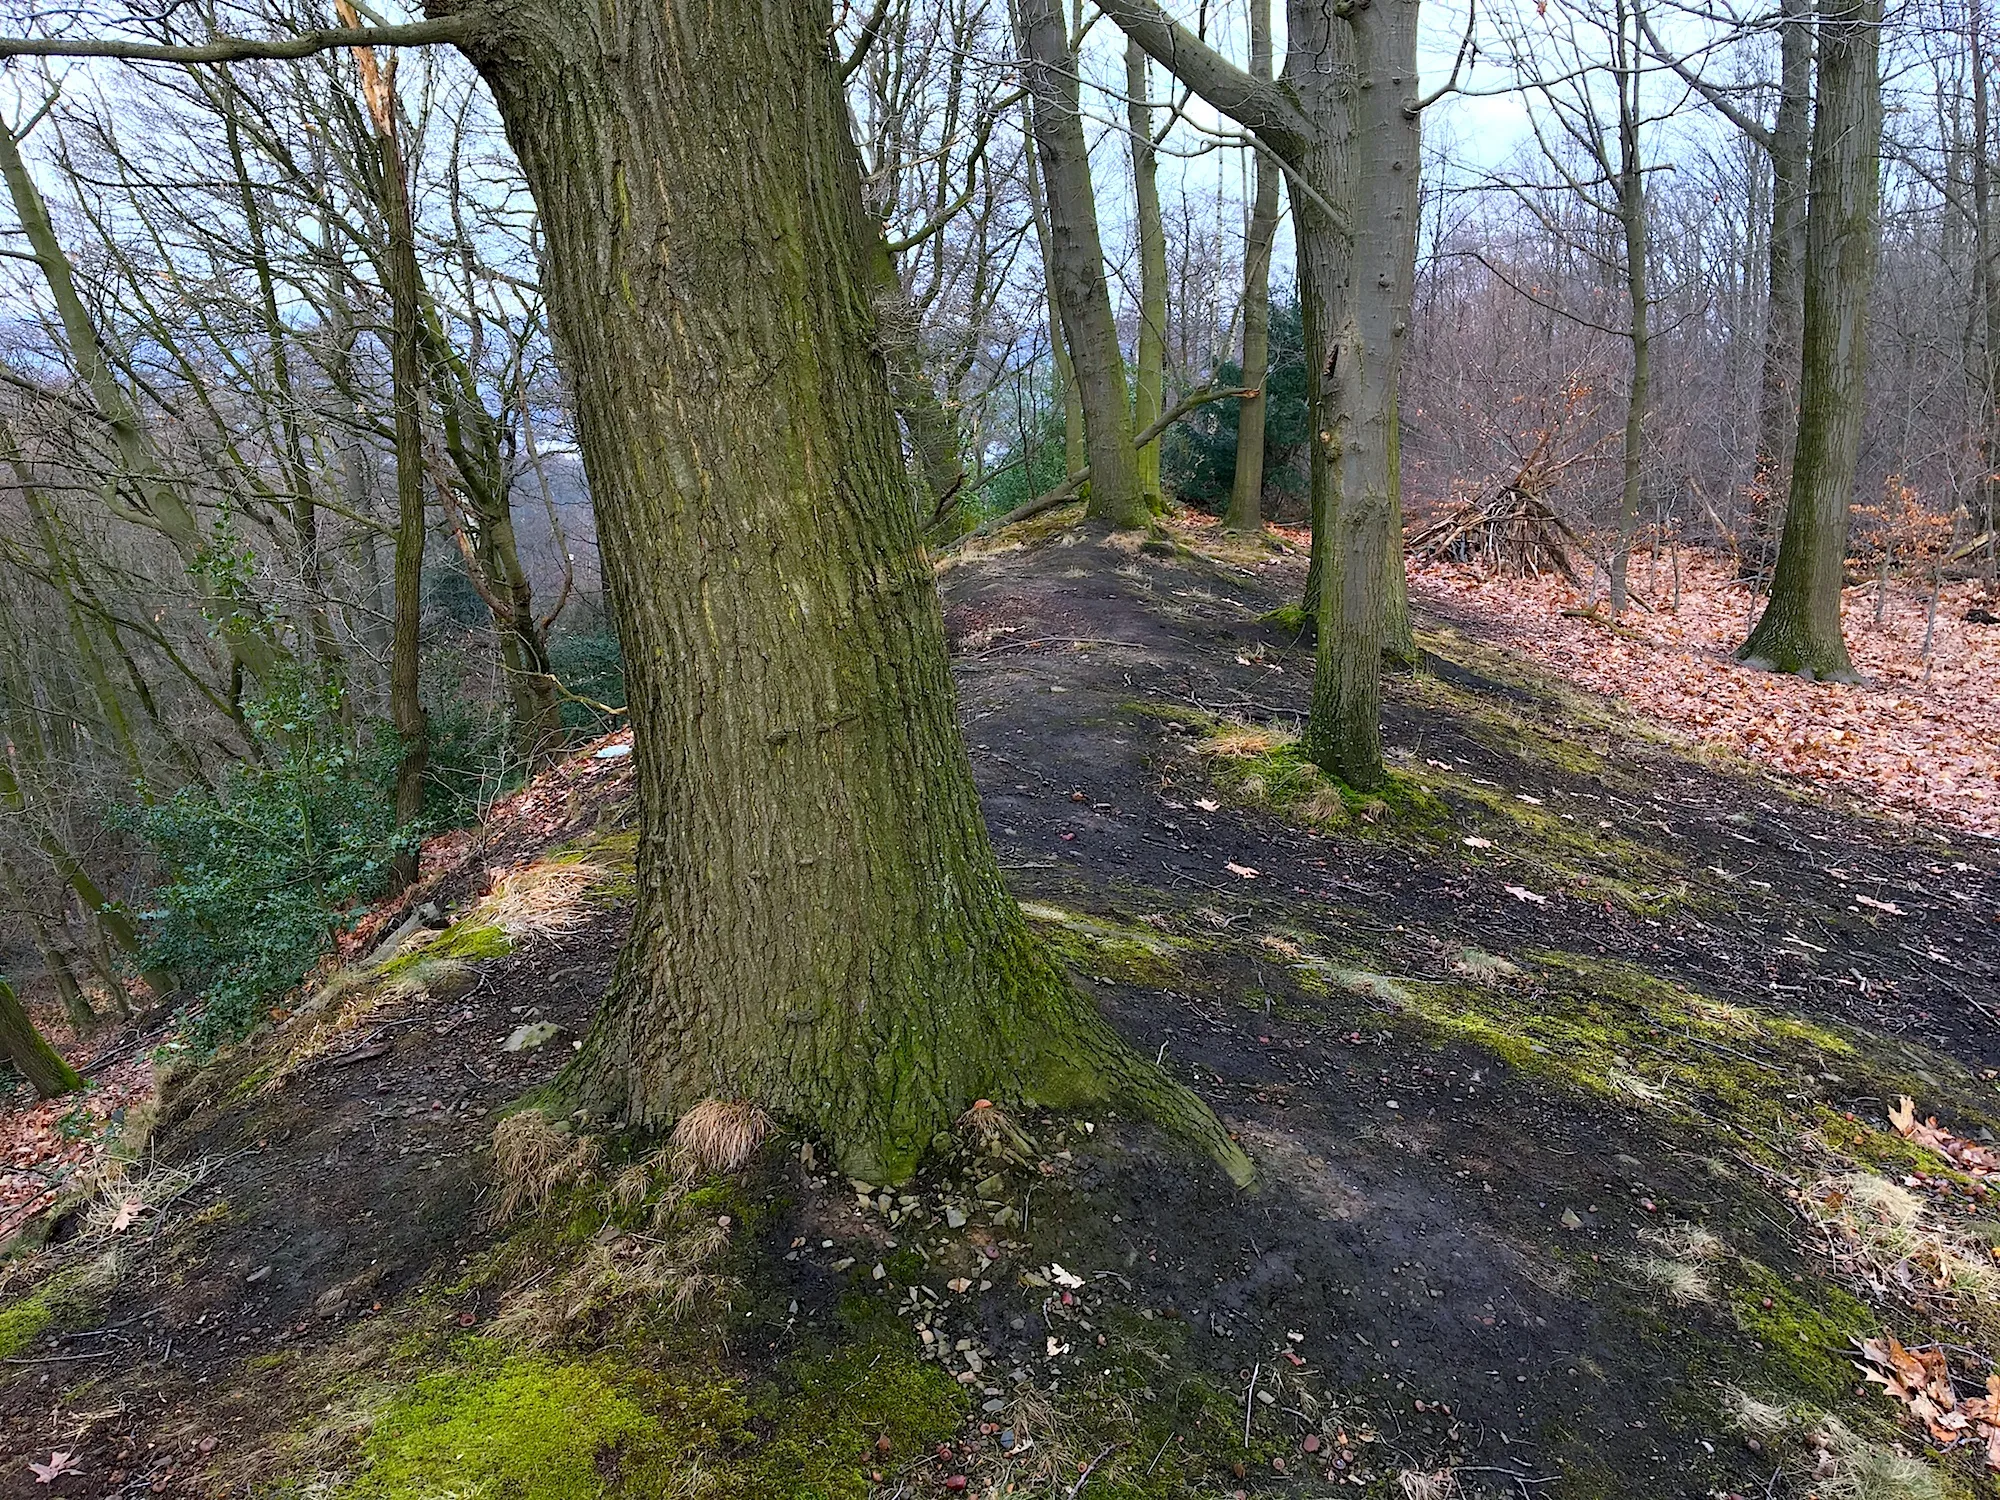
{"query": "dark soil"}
(1439, 1261)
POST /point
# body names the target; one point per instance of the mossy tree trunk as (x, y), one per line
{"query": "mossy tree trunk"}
(821, 926)
(1343, 731)
(1246, 494)
(1097, 367)
(1630, 207)
(1800, 629)
(1074, 459)
(30, 1052)
(1150, 379)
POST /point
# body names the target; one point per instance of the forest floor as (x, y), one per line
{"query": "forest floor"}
(1570, 1063)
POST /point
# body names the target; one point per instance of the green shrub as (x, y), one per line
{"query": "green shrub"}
(259, 876)
(1198, 453)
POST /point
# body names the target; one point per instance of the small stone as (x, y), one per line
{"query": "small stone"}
(257, 1275)
(954, 1218)
(956, 1483)
(1007, 1439)
(1312, 1442)
(534, 1034)
(1570, 1219)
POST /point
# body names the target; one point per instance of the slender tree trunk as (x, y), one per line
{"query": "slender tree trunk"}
(1078, 260)
(1075, 459)
(29, 1051)
(1632, 221)
(1778, 396)
(1986, 281)
(1800, 630)
(1149, 387)
(821, 926)
(404, 285)
(1344, 728)
(1246, 495)
(934, 436)
(75, 1004)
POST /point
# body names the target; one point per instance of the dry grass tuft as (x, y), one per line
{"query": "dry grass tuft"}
(534, 1157)
(1242, 742)
(1676, 1279)
(717, 1135)
(1755, 1416)
(1850, 1467)
(625, 1279)
(544, 897)
(1323, 807)
(987, 1127)
(1683, 1241)
(1897, 1243)
(1434, 1484)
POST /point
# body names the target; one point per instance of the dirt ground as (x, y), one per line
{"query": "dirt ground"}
(1566, 1064)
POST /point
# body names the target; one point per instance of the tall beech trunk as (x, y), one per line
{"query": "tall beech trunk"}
(1149, 385)
(1800, 630)
(1777, 394)
(29, 1050)
(821, 925)
(1077, 262)
(1343, 733)
(1986, 285)
(1246, 494)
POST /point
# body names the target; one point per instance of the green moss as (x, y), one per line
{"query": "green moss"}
(468, 942)
(1802, 1341)
(1292, 619)
(519, 1428)
(616, 853)
(502, 1426)
(1104, 948)
(27, 1319)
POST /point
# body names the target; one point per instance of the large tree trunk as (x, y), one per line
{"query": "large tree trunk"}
(1077, 258)
(1246, 495)
(1344, 728)
(30, 1051)
(1800, 630)
(1150, 379)
(821, 925)
(933, 431)
(1778, 396)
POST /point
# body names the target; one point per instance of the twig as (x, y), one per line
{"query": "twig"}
(1250, 1401)
(1084, 1478)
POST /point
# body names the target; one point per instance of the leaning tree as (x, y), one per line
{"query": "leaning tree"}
(821, 926)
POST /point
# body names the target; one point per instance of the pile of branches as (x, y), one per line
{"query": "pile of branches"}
(1513, 532)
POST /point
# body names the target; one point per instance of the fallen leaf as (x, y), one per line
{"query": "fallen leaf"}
(60, 1462)
(1243, 870)
(129, 1210)
(1889, 906)
(1063, 1278)
(1206, 804)
(1522, 893)
(1475, 842)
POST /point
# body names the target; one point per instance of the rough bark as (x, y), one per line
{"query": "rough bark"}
(935, 440)
(30, 1052)
(1074, 457)
(821, 926)
(1246, 495)
(1149, 382)
(1077, 263)
(1778, 399)
(1343, 731)
(1800, 630)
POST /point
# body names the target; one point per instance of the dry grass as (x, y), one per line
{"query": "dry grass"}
(544, 897)
(623, 1280)
(1243, 741)
(1675, 1279)
(1891, 1237)
(1831, 1460)
(535, 1157)
(1436, 1484)
(1683, 1241)
(717, 1135)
